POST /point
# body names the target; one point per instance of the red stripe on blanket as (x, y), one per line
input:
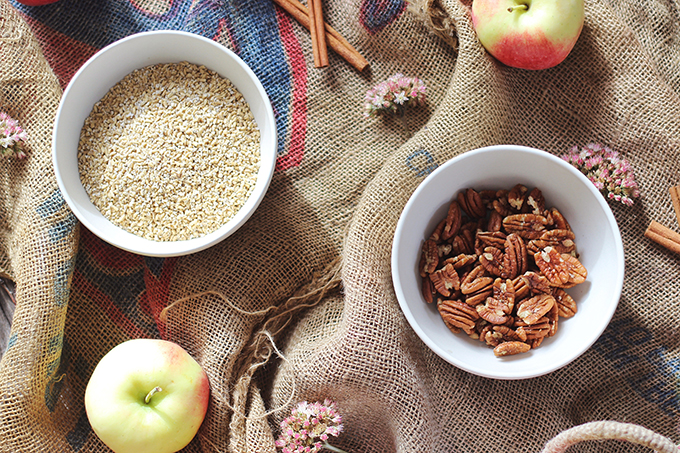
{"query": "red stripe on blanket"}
(223, 29)
(84, 287)
(65, 55)
(155, 298)
(298, 128)
(106, 255)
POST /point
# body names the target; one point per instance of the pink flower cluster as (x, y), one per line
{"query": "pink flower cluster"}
(394, 95)
(11, 136)
(606, 170)
(307, 429)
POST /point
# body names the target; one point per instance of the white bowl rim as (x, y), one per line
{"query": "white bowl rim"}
(174, 248)
(617, 283)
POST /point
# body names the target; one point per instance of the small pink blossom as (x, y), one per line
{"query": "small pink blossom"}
(394, 95)
(12, 137)
(606, 170)
(307, 429)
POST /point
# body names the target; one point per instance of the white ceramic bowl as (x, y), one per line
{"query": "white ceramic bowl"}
(106, 68)
(597, 237)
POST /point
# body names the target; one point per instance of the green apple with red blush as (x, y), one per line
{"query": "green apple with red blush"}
(147, 396)
(528, 34)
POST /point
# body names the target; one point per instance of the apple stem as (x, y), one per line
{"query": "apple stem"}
(522, 6)
(152, 393)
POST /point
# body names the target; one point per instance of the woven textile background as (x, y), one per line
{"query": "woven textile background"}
(298, 305)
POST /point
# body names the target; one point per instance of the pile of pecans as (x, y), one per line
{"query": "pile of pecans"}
(498, 266)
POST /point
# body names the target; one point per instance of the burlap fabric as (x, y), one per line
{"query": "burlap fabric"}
(298, 305)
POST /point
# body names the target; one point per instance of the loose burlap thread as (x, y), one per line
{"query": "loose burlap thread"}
(308, 277)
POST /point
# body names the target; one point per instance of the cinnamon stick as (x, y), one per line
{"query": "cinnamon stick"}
(675, 196)
(336, 41)
(318, 32)
(663, 236)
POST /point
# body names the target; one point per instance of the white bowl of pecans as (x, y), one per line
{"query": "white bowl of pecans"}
(507, 262)
(164, 143)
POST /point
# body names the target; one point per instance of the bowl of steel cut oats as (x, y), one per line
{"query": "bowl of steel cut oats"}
(164, 143)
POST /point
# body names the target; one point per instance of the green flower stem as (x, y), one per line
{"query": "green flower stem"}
(328, 446)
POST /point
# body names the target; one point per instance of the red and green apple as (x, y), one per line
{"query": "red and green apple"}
(528, 34)
(147, 396)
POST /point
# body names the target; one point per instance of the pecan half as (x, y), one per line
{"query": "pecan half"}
(428, 289)
(536, 201)
(534, 331)
(528, 226)
(452, 222)
(560, 240)
(494, 338)
(480, 324)
(577, 271)
(511, 348)
(458, 315)
(561, 270)
(566, 304)
(495, 222)
(553, 266)
(533, 309)
(436, 234)
(493, 335)
(504, 293)
(492, 311)
(515, 258)
(530, 284)
(476, 280)
(509, 334)
(492, 259)
(522, 290)
(537, 283)
(536, 342)
(501, 206)
(445, 279)
(542, 323)
(517, 197)
(471, 202)
(443, 250)
(489, 239)
(478, 297)
(461, 260)
(558, 220)
(490, 336)
(429, 258)
(464, 242)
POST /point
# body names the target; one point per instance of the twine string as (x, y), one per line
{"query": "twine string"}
(259, 351)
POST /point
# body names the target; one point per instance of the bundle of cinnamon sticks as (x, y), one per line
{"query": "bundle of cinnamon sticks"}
(663, 235)
(323, 35)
